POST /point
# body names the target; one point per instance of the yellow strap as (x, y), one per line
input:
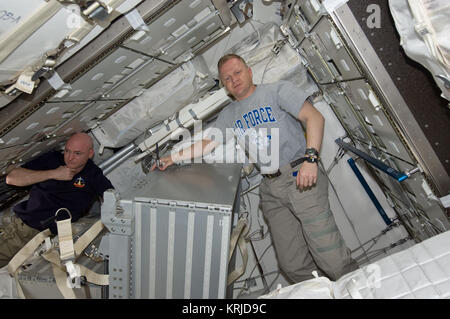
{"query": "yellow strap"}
(52, 256)
(93, 277)
(61, 282)
(22, 255)
(26, 251)
(60, 271)
(88, 237)
(65, 239)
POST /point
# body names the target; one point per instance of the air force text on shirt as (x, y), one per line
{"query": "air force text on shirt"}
(253, 119)
(248, 143)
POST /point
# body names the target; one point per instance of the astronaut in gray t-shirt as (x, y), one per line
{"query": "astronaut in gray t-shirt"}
(270, 116)
(267, 120)
(277, 106)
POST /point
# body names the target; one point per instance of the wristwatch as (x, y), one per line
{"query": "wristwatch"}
(312, 155)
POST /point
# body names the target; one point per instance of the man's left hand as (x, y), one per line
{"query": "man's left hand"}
(307, 175)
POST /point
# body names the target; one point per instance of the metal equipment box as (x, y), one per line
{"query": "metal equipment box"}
(170, 233)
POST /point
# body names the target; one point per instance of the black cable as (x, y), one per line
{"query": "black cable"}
(258, 260)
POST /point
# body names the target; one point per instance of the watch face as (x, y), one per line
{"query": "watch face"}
(311, 151)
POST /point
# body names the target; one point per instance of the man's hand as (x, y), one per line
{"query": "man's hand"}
(24, 177)
(63, 173)
(307, 175)
(164, 163)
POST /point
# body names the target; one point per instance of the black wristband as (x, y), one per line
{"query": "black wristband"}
(311, 159)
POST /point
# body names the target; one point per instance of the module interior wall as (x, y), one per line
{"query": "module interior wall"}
(414, 82)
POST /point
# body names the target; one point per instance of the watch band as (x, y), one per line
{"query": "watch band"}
(311, 159)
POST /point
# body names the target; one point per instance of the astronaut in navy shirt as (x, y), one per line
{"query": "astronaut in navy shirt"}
(70, 180)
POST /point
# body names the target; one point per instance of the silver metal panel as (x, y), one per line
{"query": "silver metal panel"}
(41, 122)
(12, 153)
(27, 152)
(175, 246)
(311, 9)
(72, 126)
(334, 52)
(119, 267)
(190, 40)
(116, 32)
(361, 94)
(169, 266)
(40, 148)
(372, 119)
(396, 105)
(134, 86)
(297, 23)
(191, 183)
(97, 110)
(165, 30)
(343, 108)
(319, 70)
(114, 68)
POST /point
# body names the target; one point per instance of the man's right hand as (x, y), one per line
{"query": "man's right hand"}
(63, 173)
(164, 163)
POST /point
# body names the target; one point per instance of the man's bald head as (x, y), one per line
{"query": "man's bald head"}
(82, 138)
(78, 150)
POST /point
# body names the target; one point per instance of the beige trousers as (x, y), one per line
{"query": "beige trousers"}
(13, 237)
(303, 228)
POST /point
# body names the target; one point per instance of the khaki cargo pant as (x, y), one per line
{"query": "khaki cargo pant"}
(14, 236)
(303, 228)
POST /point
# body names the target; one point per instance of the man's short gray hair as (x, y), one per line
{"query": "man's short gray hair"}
(227, 57)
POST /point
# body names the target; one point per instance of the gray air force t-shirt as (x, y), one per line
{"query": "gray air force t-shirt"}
(266, 123)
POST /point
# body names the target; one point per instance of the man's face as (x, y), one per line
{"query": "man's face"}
(76, 153)
(237, 78)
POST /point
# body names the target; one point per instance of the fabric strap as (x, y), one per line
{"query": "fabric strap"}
(53, 256)
(237, 238)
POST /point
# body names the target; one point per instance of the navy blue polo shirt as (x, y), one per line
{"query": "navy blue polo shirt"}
(47, 197)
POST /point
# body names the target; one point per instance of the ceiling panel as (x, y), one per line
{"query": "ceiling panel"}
(164, 31)
(113, 69)
(41, 123)
(199, 34)
(133, 86)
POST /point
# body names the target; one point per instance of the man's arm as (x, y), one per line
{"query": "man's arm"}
(313, 122)
(24, 177)
(197, 149)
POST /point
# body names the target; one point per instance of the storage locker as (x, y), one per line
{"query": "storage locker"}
(170, 233)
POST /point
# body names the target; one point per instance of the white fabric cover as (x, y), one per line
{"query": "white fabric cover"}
(419, 272)
(184, 85)
(435, 16)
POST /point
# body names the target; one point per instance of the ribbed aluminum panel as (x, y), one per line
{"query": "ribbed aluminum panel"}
(170, 233)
